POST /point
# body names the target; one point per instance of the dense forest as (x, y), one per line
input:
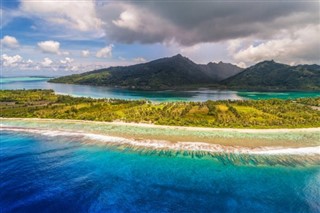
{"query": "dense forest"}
(166, 73)
(272, 113)
(179, 72)
(269, 75)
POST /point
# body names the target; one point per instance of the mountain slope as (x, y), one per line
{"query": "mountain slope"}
(165, 73)
(269, 75)
(221, 70)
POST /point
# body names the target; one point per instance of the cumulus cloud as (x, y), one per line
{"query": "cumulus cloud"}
(49, 47)
(66, 64)
(105, 52)
(10, 42)
(16, 62)
(189, 23)
(130, 23)
(69, 14)
(302, 46)
(67, 60)
(205, 52)
(85, 53)
(128, 20)
(46, 62)
(11, 61)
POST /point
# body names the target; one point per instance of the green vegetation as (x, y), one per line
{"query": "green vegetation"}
(269, 75)
(272, 113)
(167, 73)
(179, 72)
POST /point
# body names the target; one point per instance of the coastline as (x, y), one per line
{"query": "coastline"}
(149, 125)
(154, 137)
(162, 145)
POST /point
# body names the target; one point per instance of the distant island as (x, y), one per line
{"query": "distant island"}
(179, 72)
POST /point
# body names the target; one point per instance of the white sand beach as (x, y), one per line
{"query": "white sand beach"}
(241, 141)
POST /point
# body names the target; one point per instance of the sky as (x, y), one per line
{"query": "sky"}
(60, 37)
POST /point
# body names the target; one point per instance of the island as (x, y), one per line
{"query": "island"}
(258, 132)
(273, 113)
(180, 73)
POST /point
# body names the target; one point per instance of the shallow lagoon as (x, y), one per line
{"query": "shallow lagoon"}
(106, 92)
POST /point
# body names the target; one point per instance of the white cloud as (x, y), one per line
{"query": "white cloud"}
(11, 61)
(49, 47)
(85, 53)
(16, 63)
(105, 52)
(46, 62)
(69, 14)
(10, 42)
(68, 65)
(139, 60)
(301, 46)
(127, 20)
(67, 60)
(203, 53)
(241, 64)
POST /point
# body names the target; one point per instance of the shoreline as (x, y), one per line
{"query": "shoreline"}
(154, 137)
(149, 125)
(163, 145)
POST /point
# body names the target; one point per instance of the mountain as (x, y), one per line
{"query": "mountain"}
(220, 71)
(269, 75)
(179, 72)
(164, 73)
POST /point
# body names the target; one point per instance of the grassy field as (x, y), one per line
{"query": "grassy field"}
(272, 113)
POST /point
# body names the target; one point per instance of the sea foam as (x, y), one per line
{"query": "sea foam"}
(167, 145)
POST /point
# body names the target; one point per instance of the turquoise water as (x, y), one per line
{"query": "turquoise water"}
(66, 174)
(106, 92)
(4, 80)
(280, 95)
(298, 138)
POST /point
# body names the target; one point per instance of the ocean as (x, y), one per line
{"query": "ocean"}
(41, 173)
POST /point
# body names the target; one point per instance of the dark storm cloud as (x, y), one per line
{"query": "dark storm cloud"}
(189, 23)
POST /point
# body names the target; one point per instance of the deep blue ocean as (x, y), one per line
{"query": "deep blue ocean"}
(64, 174)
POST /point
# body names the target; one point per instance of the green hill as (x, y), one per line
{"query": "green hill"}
(269, 75)
(179, 72)
(165, 73)
(221, 71)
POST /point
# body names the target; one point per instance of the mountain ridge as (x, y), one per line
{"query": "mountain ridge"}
(164, 73)
(270, 75)
(179, 72)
